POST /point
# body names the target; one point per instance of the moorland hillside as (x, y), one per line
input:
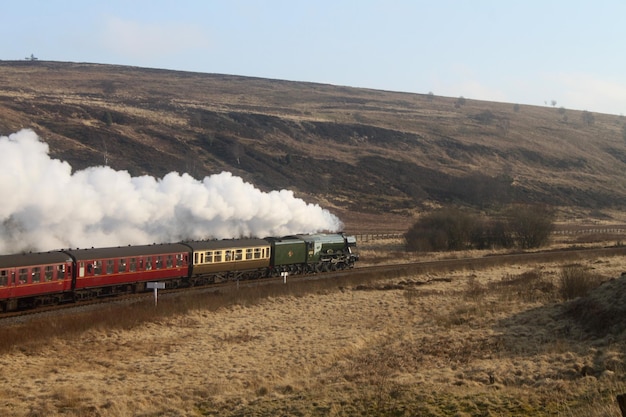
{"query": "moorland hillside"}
(352, 150)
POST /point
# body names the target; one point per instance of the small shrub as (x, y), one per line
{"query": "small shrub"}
(485, 117)
(576, 282)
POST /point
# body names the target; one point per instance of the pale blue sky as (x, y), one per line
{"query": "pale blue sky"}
(527, 52)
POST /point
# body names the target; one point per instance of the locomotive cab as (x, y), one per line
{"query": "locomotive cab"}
(351, 248)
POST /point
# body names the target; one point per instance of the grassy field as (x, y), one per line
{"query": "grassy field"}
(510, 340)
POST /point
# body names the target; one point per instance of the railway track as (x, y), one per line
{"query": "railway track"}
(378, 271)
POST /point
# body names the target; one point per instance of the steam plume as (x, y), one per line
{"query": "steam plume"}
(47, 207)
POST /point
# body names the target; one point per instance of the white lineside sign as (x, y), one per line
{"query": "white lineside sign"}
(156, 286)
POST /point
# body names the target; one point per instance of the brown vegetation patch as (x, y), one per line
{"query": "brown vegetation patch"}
(498, 340)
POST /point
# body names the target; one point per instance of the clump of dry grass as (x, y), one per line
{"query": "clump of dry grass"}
(600, 307)
(529, 286)
(577, 281)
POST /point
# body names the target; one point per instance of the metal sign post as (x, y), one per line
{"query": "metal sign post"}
(156, 286)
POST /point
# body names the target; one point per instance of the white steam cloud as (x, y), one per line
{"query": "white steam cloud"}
(44, 206)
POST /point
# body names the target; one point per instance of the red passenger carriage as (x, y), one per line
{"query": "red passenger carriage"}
(32, 279)
(108, 271)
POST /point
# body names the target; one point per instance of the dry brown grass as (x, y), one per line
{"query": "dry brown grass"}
(498, 341)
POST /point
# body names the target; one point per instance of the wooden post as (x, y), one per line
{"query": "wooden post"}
(621, 401)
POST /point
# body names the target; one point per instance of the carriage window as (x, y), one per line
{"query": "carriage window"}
(97, 267)
(48, 273)
(110, 265)
(158, 262)
(179, 259)
(170, 261)
(4, 278)
(61, 272)
(248, 253)
(36, 273)
(209, 256)
(238, 255)
(217, 256)
(23, 276)
(228, 255)
(148, 263)
(257, 253)
(121, 265)
(132, 265)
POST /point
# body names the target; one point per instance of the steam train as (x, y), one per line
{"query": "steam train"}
(30, 280)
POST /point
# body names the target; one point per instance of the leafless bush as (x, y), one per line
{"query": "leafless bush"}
(450, 229)
(531, 224)
(447, 229)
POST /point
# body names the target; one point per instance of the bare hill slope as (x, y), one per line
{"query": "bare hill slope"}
(351, 149)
